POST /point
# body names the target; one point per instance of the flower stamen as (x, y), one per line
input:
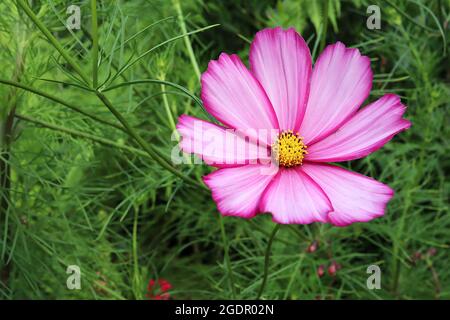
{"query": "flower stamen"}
(289, 149)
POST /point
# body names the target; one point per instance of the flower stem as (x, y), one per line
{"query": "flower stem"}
(83, 135)
(227, 257)
(187, 41)
(61, 102)
(94, 43)
(136, 276)
(267, 260)
(143, 144)
(324, 25)
(80, 134)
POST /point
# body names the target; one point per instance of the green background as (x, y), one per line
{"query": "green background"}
(75, 191)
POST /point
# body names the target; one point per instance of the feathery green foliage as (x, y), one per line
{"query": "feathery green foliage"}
(86, 131)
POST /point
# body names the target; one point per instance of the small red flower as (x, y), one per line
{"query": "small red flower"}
(159, 292)
(164, 285)
(150, 285)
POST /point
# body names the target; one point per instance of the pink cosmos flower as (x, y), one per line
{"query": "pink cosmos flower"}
(316, 116)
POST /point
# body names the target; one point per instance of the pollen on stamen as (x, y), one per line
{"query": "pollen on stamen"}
(289, 149)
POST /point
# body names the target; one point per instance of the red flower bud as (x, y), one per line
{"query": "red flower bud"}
(312, 247)
(333, 268)
(321, 271)
(432, 252)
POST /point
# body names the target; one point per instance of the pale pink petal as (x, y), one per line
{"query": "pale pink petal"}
(293, 197)
(281, 61)
(341, 81)
(219, 146)
(233, 95)
(367, 131)
(237, 191)
(354, 197)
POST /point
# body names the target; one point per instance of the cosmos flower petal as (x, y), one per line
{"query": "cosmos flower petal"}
(233, 95)
(367, 131)
(354, 197)
(237, 191)
(341, 81)
(218, 146)
(293, 197)
(281, 61)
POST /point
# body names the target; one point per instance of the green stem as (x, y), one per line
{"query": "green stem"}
(6, 129)
(324, 25)
(94, 43)
(267, 260)
(397, 244)
(23, 4)
(149, 149)
(187, 41)
(435, 275)
(103, 56)
(170, 118)
(79, 134)
(294, 276)
(61, 102)
(169, 112)
(137, 276)
(227, 257)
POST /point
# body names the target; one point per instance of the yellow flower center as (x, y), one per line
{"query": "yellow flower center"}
(289, 149)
